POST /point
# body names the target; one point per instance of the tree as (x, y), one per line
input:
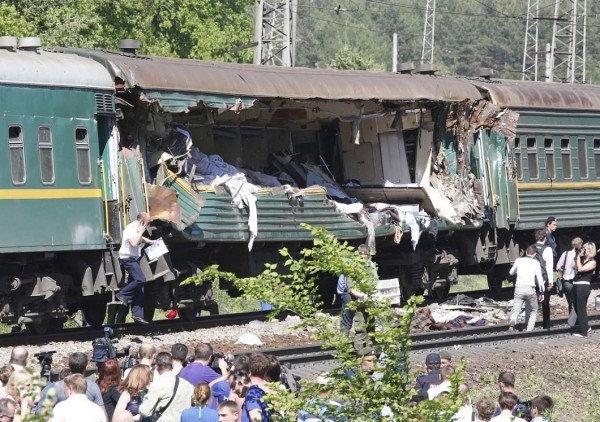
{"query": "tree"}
(295, 289)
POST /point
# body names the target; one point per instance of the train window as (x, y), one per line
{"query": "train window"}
(549, 151)
(17, 154)
(532, 158)
(46, 155)
(82, 146)
(597, 156)
(582, 155)
(565, 151)
(518, 158)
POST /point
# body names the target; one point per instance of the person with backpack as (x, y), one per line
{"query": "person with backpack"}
(546, 259)
(529, 287)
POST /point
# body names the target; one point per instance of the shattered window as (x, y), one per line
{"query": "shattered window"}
(549, 151)
(597, 156)
(17, 154)
(82, 147)
(46, 155)
(582, 155)
(532, 158)
(565, 149)
(518, 158)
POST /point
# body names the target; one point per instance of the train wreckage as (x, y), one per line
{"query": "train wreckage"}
(237, 156)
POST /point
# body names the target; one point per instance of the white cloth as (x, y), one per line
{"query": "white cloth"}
(436, 390)
(507, 418)
(76, 409)
(549, 259)
(528, 270)
(127, 250)
(570, 270)
(242, 194)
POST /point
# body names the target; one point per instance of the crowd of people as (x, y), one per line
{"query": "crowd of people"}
(535, 281)
(163, 386)
(509, 407)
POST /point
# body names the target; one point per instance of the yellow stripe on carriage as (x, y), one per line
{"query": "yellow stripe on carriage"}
(49, 193)
(558, 185)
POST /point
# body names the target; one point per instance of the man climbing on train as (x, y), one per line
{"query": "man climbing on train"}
(129, 256)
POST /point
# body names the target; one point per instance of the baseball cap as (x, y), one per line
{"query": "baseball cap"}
(363, 250)
(550, 220)
(445, 355)
(433, 359)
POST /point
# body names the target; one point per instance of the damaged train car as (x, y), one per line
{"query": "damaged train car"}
(230, 159)
(397, 161)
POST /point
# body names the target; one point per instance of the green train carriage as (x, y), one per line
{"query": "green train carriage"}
(55, 113)
(551, 167)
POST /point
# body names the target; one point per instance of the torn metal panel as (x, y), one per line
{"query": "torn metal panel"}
(461, 194)
(163, 204)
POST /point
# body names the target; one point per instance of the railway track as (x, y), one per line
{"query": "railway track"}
(312, 359)
(171, 326)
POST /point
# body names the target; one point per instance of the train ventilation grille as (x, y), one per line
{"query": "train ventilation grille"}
(104, 103)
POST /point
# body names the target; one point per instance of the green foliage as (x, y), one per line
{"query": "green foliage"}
(201, 29)
(351, 59)
(294, 288)
(13, 23)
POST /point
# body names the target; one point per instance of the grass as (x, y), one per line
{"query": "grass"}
(468, 283)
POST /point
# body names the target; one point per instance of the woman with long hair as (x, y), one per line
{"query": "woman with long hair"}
(200, 412)
(20, 390)
(109, 378)
(585, 263)
(132, 389)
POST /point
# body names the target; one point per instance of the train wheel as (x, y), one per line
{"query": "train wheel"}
(440, 291)
(93, 311)
(149, 312)
(46, 325)
(187, 314)
(494, 282)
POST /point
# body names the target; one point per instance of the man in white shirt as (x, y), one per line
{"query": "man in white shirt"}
(529, 280)
(77, 407)
(129, 257)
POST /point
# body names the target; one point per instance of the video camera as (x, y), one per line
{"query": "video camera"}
(524, 410)
(45, 360)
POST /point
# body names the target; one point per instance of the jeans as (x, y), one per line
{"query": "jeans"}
(134, 289)
(525, 295)
(347, 316)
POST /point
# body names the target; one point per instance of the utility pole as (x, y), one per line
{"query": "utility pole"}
(275, 32)
(428, 32)
(530, 49)
(568, 50)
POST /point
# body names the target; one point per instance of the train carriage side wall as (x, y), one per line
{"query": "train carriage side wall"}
(50, 172)
(557, 155)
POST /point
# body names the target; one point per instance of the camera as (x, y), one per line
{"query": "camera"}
(45, 360)
(214, 363)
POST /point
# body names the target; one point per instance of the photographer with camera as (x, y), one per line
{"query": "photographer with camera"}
(585, 264)
(202, 370)
(146, 354)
